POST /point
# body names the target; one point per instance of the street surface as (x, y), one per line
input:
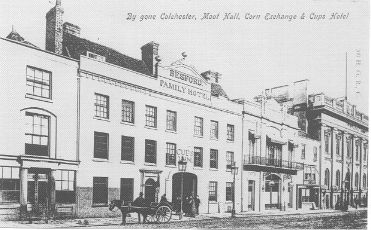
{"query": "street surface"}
(343, 220)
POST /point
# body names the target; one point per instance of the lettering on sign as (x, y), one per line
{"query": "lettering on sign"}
(187, 155)
(185, 77)
(184, 89)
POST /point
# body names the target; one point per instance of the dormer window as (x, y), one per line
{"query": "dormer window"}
(95, 56)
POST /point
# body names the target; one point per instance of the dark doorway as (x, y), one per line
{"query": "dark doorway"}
(38, 190)
(189, 185)
(150, 190)
(272, 190)
(251, 195)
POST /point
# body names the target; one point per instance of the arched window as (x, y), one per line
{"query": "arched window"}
(338, 178)
(327, 178)
(356, 180)
(364, 181)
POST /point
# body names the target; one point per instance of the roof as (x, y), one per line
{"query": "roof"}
(75, 46)
(217, 90)
(17, 37)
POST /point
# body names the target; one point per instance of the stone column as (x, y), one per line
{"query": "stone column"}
(24, 192)
(321, 154)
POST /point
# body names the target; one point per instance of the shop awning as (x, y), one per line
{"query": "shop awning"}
(277, 140)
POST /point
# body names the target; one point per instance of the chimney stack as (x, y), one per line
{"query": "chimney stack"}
(54, 28)
(149, 54)
(211, 76)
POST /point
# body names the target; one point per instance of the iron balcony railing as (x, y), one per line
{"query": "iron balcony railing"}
(278, 163)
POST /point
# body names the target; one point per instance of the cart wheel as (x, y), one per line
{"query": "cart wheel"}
(163, 214)
(151, 218)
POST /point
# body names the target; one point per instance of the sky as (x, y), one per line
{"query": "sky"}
(251, 55)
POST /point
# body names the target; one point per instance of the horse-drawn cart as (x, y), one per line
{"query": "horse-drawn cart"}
(153, 213)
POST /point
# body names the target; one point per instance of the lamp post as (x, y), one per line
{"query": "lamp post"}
(234, 170)
(182, 166)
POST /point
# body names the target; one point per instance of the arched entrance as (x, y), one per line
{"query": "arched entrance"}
(272, 191)
(150, 190)
(189, 185)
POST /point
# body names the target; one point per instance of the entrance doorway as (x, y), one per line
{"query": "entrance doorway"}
(38, 187)
(251, 196)
(189, 187)
(272, 192)
(150, 190)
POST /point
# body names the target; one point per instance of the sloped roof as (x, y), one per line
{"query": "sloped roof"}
(75, 46)
(17, 37)
(217, 90)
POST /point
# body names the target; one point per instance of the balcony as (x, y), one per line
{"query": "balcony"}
(258, 164)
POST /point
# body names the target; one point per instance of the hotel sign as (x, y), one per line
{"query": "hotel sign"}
(184, 82)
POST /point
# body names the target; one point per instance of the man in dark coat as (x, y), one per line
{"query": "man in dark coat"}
(139, 202)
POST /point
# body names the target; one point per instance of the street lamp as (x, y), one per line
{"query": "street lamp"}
(182, 166)
(234, 171)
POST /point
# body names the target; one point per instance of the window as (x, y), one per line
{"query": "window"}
(127, 189)
(170, 154)
(310, 177)
(251, 145)
(127, 148)
(9, 185)
(364, 181)
(151, 150)
(198, 151)
(151, 116)
(349, 147)
(356, 180)
(357, 150)
(228, 191)
(128, 111)
(327, 142)
(337, 182)
(338, 144)
(230, 132)
(365, 153)
(214, 132)
(199, 126)
(229, 159)
(95, 56)
(171, 120)
(65, 186)
(213, 158)
(100, 145)
(37, 134)
(38, 82)
(101, 106)
(100, 191)
(213, 188)
(302, 151)
(327, 178)
(315, 153)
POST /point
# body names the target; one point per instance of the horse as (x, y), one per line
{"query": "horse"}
(128, 209)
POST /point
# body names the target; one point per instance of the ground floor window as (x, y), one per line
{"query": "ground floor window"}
(213, 189)
(100, 191)
(65, 186)
(228, 191)
(127, 189)
(9, 185)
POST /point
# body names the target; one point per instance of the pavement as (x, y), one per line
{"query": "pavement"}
(101, 222)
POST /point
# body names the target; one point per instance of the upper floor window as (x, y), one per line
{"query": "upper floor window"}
(337, 178)
(315, 154)
(229, 160)
(170, 154)
(303, 152)
(171, 120)
(128, 111)
(95, 56)
(198, 158)
(214, 130)
(38, 82)
(327, 178)
(365, 153)
(356, 180)
(230, 132)
(127, 148)
(151, 116)
(37, 134)
(100, 145)
(213, 158)
(199, 126)
(327, 142)
(338, 144)
(101, 106)
(251, 145)
(9, 185)
(150, 151)
(358, 147)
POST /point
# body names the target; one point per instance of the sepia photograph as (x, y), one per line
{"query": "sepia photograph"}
(184, 114)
